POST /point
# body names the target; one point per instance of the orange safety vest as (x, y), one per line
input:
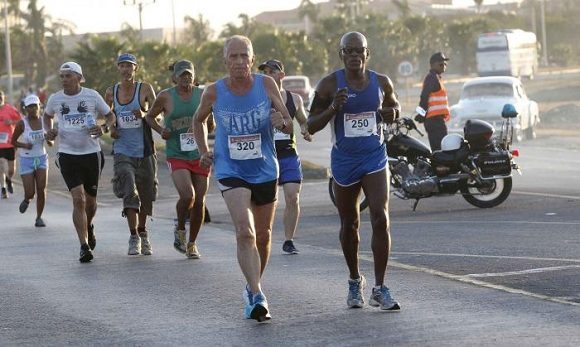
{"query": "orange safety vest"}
(437, 104)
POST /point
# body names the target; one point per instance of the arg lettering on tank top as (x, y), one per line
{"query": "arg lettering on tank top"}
(128, 120)
(360, 124)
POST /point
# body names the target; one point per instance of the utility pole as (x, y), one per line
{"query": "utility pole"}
(544, 41)
(139, 4)
(8, 54)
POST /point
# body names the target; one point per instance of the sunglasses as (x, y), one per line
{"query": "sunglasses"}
(349, 51)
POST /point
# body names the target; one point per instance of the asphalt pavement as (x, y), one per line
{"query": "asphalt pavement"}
(49, 298)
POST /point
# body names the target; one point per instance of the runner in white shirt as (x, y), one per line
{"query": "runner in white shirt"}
(79, 153)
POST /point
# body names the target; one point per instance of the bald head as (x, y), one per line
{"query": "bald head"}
(353, 37)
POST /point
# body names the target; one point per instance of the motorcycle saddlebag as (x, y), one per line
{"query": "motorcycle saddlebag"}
(494, 163)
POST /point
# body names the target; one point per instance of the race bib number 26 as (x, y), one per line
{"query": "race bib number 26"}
(187, 142)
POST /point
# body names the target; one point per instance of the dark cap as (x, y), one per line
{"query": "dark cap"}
(181, 66)
(272, 64)
(438, 57)
(127, 57)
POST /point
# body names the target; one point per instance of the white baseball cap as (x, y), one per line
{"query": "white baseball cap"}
(74, 67)
(31, 100)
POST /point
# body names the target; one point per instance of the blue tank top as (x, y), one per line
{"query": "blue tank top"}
(244, 139)
(357, 128)
(135, 138)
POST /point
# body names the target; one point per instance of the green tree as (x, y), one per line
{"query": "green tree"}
(197, 31)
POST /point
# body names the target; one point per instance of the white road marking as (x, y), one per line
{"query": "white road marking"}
(547, 195)
(524, 272)
(486, 256)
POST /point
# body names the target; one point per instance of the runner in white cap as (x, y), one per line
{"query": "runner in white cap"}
(29, 137)
(79, 152)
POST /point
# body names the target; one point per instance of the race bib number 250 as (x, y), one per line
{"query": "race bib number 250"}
(360, 124)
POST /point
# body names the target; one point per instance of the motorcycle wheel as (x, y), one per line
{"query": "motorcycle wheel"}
(491, 195)
(363, 202)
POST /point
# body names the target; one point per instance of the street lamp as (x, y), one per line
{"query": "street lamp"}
(139, 4)
(8, 54)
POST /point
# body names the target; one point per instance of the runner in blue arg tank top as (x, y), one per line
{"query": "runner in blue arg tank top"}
(244, 139)
(358, 147)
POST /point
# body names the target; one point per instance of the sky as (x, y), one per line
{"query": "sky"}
(109, 15)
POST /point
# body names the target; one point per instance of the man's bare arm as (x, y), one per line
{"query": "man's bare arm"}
(285, 124)
(200, 118)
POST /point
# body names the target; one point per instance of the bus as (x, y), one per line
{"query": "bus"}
(511, 52)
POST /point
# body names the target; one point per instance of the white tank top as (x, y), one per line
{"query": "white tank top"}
(36, 137)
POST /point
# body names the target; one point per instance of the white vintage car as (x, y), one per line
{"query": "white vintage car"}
(484, 97)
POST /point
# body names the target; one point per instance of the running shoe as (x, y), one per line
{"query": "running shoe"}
(289, 248)
(91, 237)
(179, 243)
(381, 296)
(39, 223)
(86, 255)
(4, 195)
(9, 185)
(23, 206)
(145, 244)
(134, 245)
(355, 292)
(258, 308)
(192, 252)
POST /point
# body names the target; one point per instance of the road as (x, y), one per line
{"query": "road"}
(464, 276)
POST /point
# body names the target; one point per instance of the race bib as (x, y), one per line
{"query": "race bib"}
(128, 120)
(244, 147)
(74, 121)
(279, 135)
(36, 136)
(360, 124)
(3, 137)
(187, 142)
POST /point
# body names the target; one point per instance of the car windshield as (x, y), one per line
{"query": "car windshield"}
(293, 84)
(487, 90)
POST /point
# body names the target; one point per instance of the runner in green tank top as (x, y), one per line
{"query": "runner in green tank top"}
(178, 104)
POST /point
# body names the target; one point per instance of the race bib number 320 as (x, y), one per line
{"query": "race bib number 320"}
(244, 147)
(360, 124)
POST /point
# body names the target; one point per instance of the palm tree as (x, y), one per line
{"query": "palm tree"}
(308, 12)
(478, 4)
(198, 30)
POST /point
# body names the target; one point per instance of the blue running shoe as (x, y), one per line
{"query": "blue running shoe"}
(381, 296)
(355, 292)
(260, 311)
(256, 306)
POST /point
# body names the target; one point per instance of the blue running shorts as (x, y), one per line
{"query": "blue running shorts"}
(290, 170)
(30, 164)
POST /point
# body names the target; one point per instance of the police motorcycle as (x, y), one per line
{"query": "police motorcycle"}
(477, 165)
